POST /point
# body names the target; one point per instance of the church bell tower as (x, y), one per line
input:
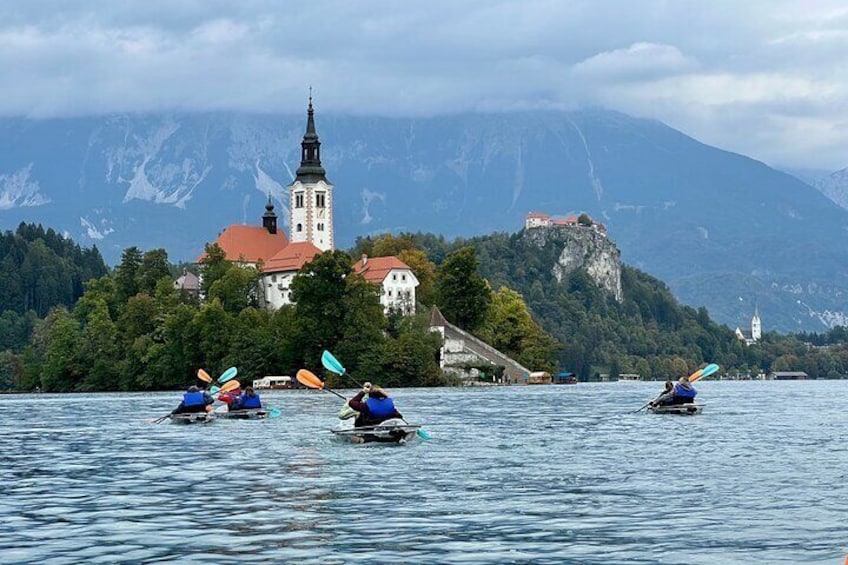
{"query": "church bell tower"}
(311, 194)
(756, 325)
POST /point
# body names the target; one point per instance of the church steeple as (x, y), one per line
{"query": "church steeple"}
(310, 169)
(756, 325)
(269, 218)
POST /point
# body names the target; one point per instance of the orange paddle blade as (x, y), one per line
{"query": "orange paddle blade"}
(696, 375)
(204, 376)
(309, 379)
(230, 385)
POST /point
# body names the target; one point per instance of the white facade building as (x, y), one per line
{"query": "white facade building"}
(396, 280)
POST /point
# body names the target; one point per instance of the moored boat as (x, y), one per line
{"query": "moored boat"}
(679, 409)
(390, 431)
(192, 418)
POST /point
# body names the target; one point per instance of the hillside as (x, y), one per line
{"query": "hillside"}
(722, 230)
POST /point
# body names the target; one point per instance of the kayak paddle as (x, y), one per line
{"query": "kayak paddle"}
(310, 380)
(227, 375)
(204, 376)
(705, 372)
(334, 366)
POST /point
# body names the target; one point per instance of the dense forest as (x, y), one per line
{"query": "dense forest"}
(649, 333)
(85, 328)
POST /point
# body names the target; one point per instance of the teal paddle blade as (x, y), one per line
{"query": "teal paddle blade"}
(424, 435)
(274, 412)
(709, 370)
(228, 375)
(213, 389)
(331, 363)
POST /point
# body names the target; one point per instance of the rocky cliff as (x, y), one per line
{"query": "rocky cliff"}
(585, 248)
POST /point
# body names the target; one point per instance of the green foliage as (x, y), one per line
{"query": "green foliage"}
(510, 329)
(11, 369)
(61, 370)
(335, 307)
(584, 220)
(127, 274)
(461, 293)
(41, 269)
(154, 267)
(236, 288)
(133, 331)
(213, 266)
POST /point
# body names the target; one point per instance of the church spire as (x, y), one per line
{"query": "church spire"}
(269, 218)
(310, 169)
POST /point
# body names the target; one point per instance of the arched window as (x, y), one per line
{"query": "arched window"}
(299, 227)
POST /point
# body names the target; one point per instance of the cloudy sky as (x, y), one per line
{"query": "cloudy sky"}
(765, 78)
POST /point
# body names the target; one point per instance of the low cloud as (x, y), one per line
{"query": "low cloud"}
(766, 78)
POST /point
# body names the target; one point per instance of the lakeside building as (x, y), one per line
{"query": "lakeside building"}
(755, 333)
(279, 258)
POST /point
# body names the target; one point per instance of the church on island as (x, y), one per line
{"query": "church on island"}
(756, 332)
(279, 258)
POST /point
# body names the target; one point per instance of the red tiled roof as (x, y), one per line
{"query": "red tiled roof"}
(376, 269)
(538, 215)
(250, 244)
(570, 220)
(292, 257)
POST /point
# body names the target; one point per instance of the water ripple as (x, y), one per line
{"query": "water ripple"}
(563, 474)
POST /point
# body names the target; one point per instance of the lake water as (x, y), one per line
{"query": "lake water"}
(553, 474)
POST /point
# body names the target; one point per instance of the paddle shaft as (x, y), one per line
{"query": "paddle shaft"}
(334, 392)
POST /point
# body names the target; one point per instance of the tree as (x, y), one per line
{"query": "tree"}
(213, 266)
(461, 293)
(126, 274)
(236, 288)
(98, 354)
(61, 371)
(154, 266)
(425, 271)
(584, 220)
(333, 304)
(510, 329)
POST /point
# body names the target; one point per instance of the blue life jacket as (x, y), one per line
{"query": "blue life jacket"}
(194, 399)
(250, 402)
(380, 407)
(684, 392)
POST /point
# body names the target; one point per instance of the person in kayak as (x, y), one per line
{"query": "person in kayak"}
(683, 392)
(194, 400)
(230, 398)
(665, 396)
(248, 401)
(378, 407)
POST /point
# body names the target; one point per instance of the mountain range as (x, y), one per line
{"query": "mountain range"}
(722, 230)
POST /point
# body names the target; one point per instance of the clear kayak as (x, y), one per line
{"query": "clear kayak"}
(192, 418)
(390, 431)
(246, 414)
(679, 409)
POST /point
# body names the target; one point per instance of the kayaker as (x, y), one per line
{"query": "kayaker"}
(346, 412)
(230, 398)
(378, 407)
(194, 400)
(248, 401)
(683, 392)
(666, 396)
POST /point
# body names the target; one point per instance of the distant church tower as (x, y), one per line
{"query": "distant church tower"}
(756, 325)
(269, 218)
(311, 195)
